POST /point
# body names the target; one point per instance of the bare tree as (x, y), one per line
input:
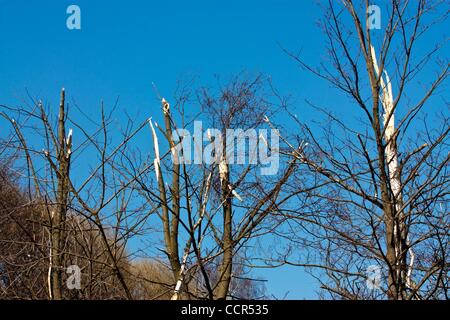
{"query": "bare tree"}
(215, 229)
(101, 217)
(375, 192)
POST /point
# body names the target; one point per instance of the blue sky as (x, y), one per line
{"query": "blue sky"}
(124, 46)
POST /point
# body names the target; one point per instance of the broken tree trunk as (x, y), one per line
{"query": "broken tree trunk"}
(59, 210)
(397, 233)
(225, 267)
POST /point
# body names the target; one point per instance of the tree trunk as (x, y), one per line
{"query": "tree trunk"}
(225, 268)
(396, 229)
(59, 212)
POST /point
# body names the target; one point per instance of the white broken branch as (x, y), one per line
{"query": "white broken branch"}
(234, 193)
(157, 160)
(69, 142)
(387, 100)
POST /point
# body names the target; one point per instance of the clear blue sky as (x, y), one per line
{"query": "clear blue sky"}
(124, 46)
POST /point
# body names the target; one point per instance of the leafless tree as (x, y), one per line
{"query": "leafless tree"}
(96, 209)
(224, 204)
(375, 191)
